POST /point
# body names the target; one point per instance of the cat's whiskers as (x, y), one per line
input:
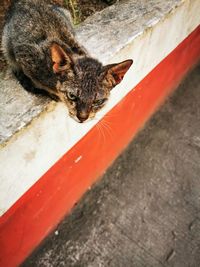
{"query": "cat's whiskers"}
(108, 115)
(103, 126)
(108, 129)
(101, 134)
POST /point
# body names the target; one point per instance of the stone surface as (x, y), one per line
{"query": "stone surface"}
(119, 24)
(18, 108)
(145, 211)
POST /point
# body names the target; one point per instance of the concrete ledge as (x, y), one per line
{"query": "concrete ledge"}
(47, 149)
(17, 107)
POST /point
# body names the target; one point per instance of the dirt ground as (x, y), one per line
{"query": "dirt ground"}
(85, 7)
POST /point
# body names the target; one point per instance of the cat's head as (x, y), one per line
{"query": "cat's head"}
(84, 84)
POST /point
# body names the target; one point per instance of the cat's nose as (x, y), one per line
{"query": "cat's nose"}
(83, 116)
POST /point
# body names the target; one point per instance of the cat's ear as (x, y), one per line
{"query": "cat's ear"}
(61, 59)
(117, 71)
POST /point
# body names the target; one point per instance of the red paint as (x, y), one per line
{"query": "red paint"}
(40, 209)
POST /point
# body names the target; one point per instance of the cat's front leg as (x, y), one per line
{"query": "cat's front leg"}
(28, 85)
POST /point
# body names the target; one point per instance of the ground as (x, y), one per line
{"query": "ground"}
(145, 211)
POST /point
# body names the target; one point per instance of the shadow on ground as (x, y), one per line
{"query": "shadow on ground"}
(146, 209)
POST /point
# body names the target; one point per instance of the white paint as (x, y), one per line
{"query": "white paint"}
(78, 159)
(26, 158)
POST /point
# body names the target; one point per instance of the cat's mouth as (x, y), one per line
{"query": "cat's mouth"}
(82, 118)
(78, 119)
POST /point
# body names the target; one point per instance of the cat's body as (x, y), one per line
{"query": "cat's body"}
(39, 44)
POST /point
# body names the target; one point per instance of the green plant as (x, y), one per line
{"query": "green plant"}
(73, 7)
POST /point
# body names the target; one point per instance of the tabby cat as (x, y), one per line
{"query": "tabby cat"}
(40, 46)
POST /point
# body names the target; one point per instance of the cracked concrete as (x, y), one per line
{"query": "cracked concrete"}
(145, 211)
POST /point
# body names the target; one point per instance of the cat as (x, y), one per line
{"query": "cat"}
(40, 46)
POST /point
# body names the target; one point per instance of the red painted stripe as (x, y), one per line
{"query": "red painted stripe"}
(39, 210)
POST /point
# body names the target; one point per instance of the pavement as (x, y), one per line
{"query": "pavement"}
(145, 210)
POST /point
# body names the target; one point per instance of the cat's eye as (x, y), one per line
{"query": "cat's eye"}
(72, 96)
(99, 102)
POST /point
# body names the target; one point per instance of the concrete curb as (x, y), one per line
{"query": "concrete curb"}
(33, 151)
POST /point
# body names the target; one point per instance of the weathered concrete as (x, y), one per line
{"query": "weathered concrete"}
(119, 24)
(146, 209)
(17, 107)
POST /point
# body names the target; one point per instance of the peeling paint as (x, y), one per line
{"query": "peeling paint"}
(78, 159)
(29, 155)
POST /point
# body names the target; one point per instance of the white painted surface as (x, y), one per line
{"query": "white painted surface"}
(32, 152)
